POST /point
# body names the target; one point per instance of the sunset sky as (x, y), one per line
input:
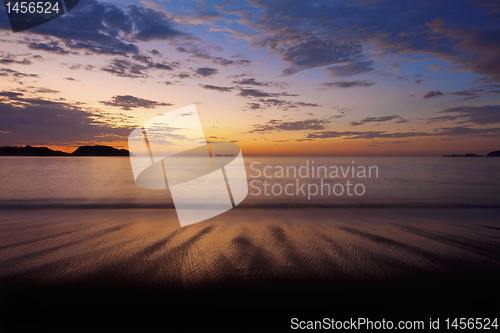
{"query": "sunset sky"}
(340, 78)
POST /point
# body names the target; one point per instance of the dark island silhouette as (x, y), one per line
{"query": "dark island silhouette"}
(494, 154)
(491, 154)
(466, 155)
(97, 150)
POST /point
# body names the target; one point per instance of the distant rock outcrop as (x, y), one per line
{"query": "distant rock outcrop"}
(99, 151)
(466, 155)
(30, 151)
(494, 154)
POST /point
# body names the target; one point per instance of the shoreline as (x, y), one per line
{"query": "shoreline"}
(67, 269)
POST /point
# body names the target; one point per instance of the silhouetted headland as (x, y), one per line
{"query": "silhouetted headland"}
(97, 150)
(494, 154)
(30, 151)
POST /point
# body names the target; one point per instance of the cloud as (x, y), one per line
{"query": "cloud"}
(151, 25)
(456, 132)
(348, 84)
(253, 82)
(128, 102)
(379, 120)
(435, 93)
(183, 75)
(309, 34)
(265, 103)
(9, 58)
(125, 68)
(300, 125)
(216, 88)
(351, 68)
(205, 71)
(479, 115)
(198, 50)
(302, 50)
(105, 28)
(249, 93)
(52, 47)
(469, 92)
(37, 121)
(10, 72)
(47, 91)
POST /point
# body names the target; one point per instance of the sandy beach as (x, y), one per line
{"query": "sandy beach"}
(71, 267)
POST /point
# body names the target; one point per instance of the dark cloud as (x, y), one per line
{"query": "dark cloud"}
(150, 24)
(265, 103)
(435, 93)
(249, 93)
(253, 82)
(10, 72)
(206, 71)
(469, 92)
(216, 88)
(128, 102)
(303, 50)
(479, 115)
(136, 69)
(52, 47)
(379, 120)
(125, 68)
(47, 91)
(19, 99)
(348, 84)
(9, 58)
(151, 64)
(300, 125)
(457, 132)
(105, 28)
(351, 68)
(198, 50)
(43, 122)
(308, 34)
(266, 100)
(11, 95)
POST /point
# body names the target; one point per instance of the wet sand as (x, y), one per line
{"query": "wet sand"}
(72, 269)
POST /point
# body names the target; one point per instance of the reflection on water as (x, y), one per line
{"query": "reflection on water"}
(77, 181)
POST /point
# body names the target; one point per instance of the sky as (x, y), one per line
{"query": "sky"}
(332, 78)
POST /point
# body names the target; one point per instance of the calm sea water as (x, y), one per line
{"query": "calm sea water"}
(108, 182)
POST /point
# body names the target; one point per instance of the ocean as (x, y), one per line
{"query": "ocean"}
(413, 239)
(108, 182)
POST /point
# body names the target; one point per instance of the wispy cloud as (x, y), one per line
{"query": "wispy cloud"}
(479, 115)
(432, 94)
(299, 125)
(348, 84)
(128, 102)
(382, 119)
